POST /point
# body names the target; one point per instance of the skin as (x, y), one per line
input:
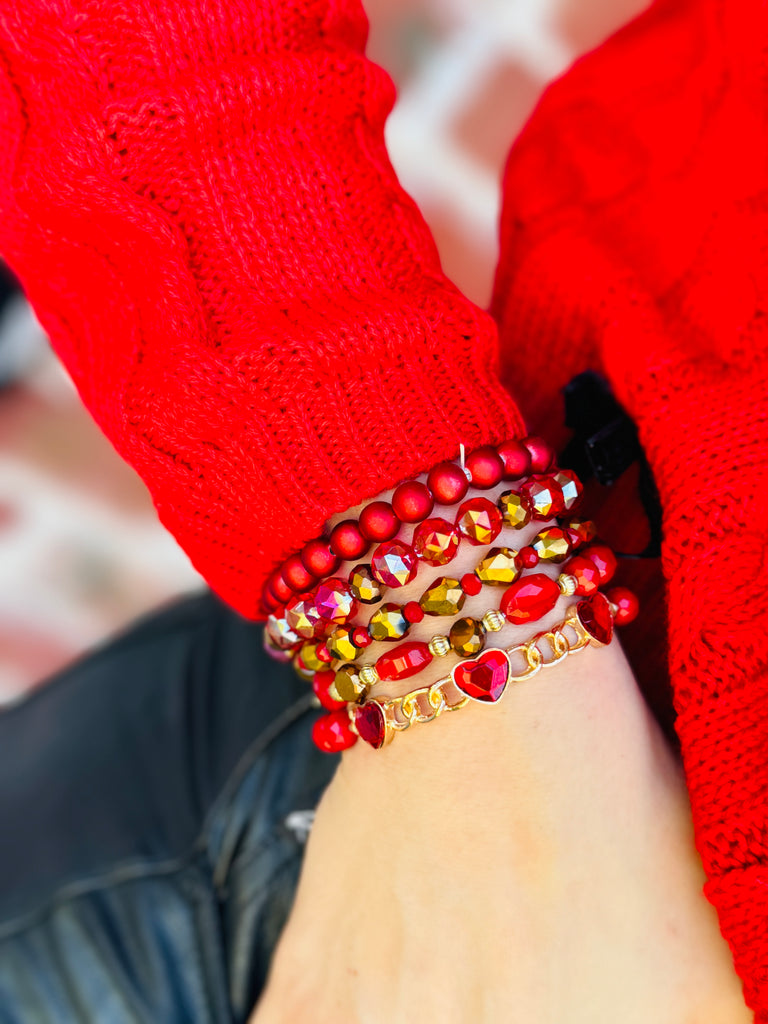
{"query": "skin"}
(529, 862)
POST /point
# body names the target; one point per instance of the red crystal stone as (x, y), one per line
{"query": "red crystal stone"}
(545, 497)
(347, 540)
(516, 459)
(570, 487)
(370, 724)
(436, 541)
(479, 520)
(483, 678)
(321, 681)
(413, 612)
(603, 559)
(394, 563)
(485, 466)
(470, 584)
(404, 660)
(542, 454)
(627, 605)
(296, 576)
(584, 529)
(412, 501)
(332, 733)
(595, 616)
(319, 559)
(585, 573)
(378, 521)
(529, 598)
(527, 558)
(334, 601)
(448, 483)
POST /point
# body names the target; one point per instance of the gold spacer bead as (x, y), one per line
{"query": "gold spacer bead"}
(368, 675)
(567, 584)
(439, 646)
(493, 620)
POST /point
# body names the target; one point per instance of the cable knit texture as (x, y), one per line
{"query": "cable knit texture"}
(197, 198)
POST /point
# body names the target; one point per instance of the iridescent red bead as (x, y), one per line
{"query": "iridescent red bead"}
(479, 520)
(334, 601)
(436, 541)
(626, 603)
(394, 563)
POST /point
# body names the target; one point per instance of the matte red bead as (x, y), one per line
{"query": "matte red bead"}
(332, 733)
(595, 616)
(296, 576)
(347, 541)
(361, 637)
(603, 559)
(412, 501)
(516, 459)
(404, 660)
(318, 558)
(585, 573)
(413, 611)
(279, 588)
(378, 521)
(529, 598)
(626, 603)
(527, 558)
(448, 483)
(321, 681)
(470, 584)
(370, 724)
(394, 563)
(542, 454)
(479, 520)
(268, 600)
(486, 467)
(436, 541)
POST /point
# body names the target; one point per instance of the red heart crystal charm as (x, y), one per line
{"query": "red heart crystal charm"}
(370, 724)
(595, 616)
(483, 678)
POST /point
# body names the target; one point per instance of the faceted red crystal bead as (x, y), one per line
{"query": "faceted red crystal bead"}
(529, 598)
(412, 501)
(585, 573)
(584, 530)
(595, 616)
(485, 466)
(527, 558)
(332, 733)
(544, 495)
(436, 541)
(347, 540)
(370, 724)
(413, 612)
(335, 601)
(479, 520)
(448, 483)
(361, 637)
(627, 605)
(323, 654)
(296, 576)
(603, 559)
(542, 454)
(404, 660)
(378, 521)
(319, 559)
(302, 616)
(394, 563)
(516, 459)
(321, 681)
(570, 487)
(470, 584)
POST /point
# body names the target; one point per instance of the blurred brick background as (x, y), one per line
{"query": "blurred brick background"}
(80, 551)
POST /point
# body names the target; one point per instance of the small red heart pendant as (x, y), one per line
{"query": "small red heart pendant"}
(483, 678)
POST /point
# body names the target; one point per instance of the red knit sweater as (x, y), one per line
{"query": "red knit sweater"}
(197, 199)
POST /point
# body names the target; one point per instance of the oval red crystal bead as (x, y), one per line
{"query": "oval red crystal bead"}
(378, 521)
(486, 467)
(516, 459)
(595, 616)
(541, 452)
(529, 598)
(448, 483)
(317, 557)
(332, 733)
(404, 660)
(627, 605)
(321, 682)
(603, 559)
(347, 540)
(412, 501)
(586, 574)
(370, 724)
(296, 576)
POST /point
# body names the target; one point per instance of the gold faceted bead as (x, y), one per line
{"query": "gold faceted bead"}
(498, 567)
(443, 597)
(552, 545)
(388, 623)
(439, 646)
(301, 671)
(515, 509)
(309, 658)
(364, 585)
(348, 684)
(340, 644)
(567, 584)
(467, 637)
(493, 621)
(369, 676)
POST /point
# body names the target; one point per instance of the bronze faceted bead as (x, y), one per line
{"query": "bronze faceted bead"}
(443, 597)
(467, 637)
(347, 685)
(388, 623)
(498, 567)
(364, 585)
(552, 545)
(515, 509)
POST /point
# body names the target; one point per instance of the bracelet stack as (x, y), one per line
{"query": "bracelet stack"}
(314, 609)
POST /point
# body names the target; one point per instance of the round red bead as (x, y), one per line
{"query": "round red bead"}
(269, 600)
(296, 576)
(332, 733)
(413, 612)
(394, 564)
(322, 652)
(361, 637)
(529, 598)
(279, 588)
(470, 584)
(436, 541)
(448, 483)
(627, 605)
(604, 561)
(516, 459)
(378, 521)
(412, 501)
(335, 601)
(595, 616)
(527, 558)
(486, 467)
(370, 724)
(347, 540)
(542, 454)
(404, 660)
(318, 558)
(321, 681)
(585, 573)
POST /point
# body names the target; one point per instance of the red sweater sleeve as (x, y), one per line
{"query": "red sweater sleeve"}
(197, 199)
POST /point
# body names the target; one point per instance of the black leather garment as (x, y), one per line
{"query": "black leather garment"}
(154, 803)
